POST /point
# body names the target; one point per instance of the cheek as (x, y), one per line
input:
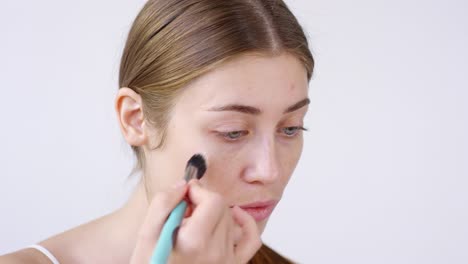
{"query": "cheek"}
(221, 176)
(289, 155)
(225, 164)
(224, 168)
(166, 164)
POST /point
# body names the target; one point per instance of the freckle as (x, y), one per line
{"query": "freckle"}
(291, 87)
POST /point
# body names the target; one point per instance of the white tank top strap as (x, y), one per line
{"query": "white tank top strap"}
(45, 252)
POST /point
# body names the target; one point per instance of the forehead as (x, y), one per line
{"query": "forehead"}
(249, 79)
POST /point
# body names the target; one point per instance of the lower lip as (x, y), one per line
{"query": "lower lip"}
(259, 213)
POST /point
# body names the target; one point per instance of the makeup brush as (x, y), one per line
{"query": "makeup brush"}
(196, 167)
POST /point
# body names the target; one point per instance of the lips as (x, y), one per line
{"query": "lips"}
(260, 210)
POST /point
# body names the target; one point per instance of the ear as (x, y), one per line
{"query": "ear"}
(128, 106)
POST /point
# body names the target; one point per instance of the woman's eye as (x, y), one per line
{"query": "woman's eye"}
(291, 131)
(233, 135)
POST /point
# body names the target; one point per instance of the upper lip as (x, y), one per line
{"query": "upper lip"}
(264, 203)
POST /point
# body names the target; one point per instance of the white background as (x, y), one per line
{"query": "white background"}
(383, 177)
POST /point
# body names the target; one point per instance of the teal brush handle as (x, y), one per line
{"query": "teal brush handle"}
(164, 245)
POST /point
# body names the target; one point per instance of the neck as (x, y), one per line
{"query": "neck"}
(124, 224)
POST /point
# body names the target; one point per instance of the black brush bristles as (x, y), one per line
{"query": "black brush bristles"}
(198, 162)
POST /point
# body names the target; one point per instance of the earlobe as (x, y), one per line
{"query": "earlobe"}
(128, 106)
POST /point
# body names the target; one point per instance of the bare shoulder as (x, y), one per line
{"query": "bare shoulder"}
(75, 245)
(24, 256)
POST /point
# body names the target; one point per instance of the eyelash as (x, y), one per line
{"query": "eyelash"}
(226, 135)
(297, 130)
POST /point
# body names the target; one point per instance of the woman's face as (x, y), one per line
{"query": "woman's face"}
(245, 117)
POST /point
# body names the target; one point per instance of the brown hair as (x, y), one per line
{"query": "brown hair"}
(172, 42)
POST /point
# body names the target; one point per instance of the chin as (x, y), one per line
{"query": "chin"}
(261, 226)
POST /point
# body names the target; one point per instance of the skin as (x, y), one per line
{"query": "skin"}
(251, 154)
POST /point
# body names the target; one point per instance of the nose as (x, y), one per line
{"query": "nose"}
(264, 165)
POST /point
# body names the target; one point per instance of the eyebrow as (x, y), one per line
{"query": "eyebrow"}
(255, 111)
